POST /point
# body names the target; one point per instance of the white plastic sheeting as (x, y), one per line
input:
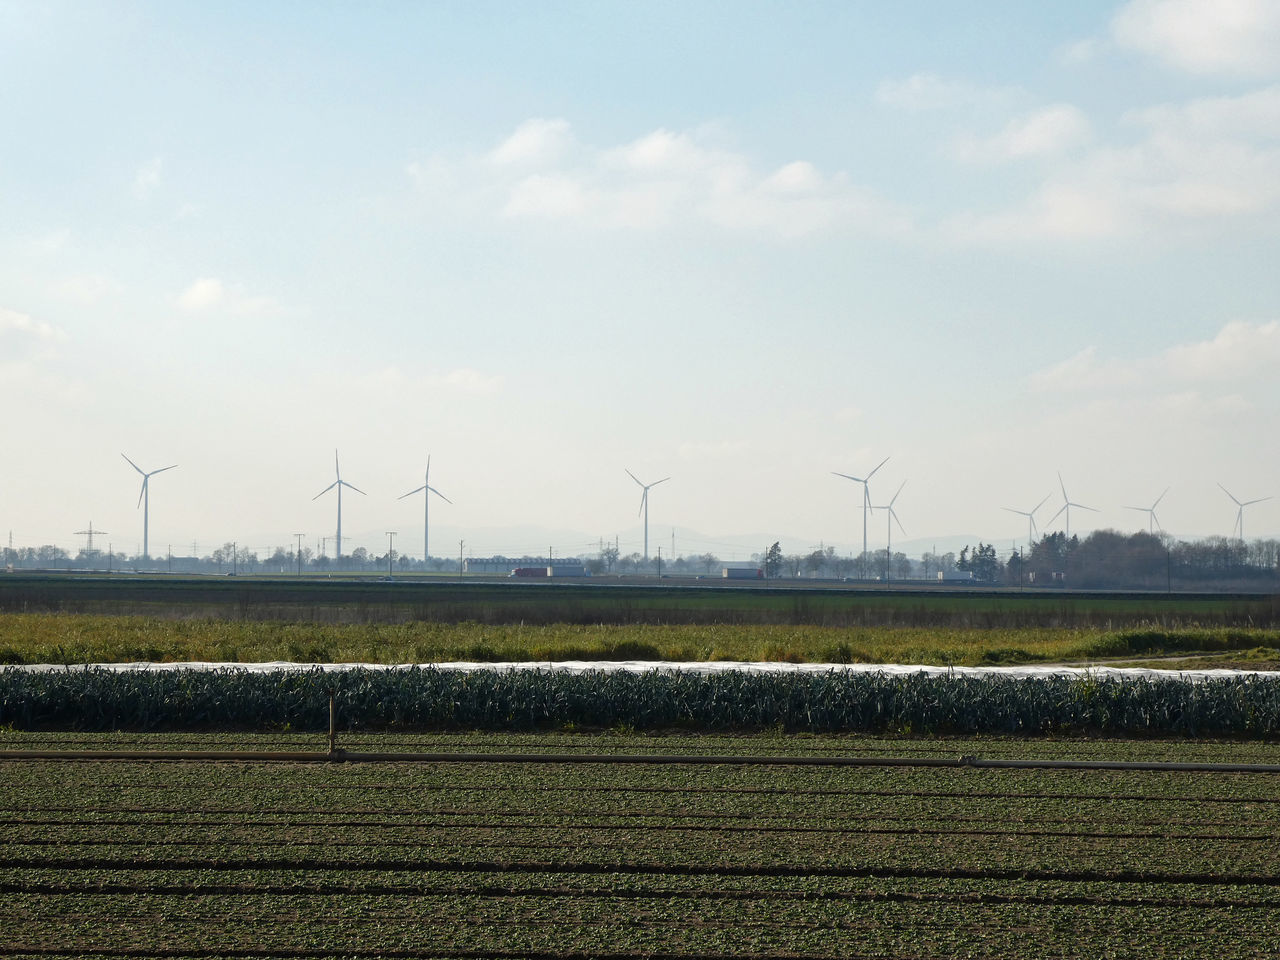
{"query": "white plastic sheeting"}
(668, 666)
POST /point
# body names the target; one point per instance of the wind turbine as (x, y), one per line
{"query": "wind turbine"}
(144, 499)
(427, 490)
(339, 483)
(644, 506)
(890, 520)
(1153, 520)
(1067, 505)
(866, 502)
(1031, 519)
(1239, 525)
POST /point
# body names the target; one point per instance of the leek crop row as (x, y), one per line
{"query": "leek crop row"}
(424, 698)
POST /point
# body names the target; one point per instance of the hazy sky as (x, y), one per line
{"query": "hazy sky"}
(741, 244)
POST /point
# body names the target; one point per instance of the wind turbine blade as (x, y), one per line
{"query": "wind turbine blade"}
(878, 466)
(1021, 513)
(1058, 514)
(337, 472)
(135, 466)
(1161, 497)
(1259, 500)
(439, 494)
(847, 477)
(412, 492)
(895, 496)
(1143, 509)
(1041, 503)
(163, 469)
(633, 476)
(1081, 506)
(893, 514)
(142, 492)
(644, 498)
(1229, 494)
(656, 482)
(325, 490)
(353, 487)
(1063, 486)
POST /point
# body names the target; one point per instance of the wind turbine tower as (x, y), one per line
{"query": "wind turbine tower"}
(644, 506)
(144, 499)
(426, 490)
(1152, 521)
(1031, 519)
(1067, 504)
(1239, 524)
(890, 520)
(339, 483)
(866, 502)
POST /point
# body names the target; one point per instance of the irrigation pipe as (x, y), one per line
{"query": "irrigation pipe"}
(346, 756)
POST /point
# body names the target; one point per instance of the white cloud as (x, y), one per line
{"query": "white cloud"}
(1191, 163)
(147, 177)
(1079, 51)
(922, 92)
(1204, 36)
(203, 294)
(210, 293)
(89, 288)
(536, 141)
(664, 152)
(661, 179)
(1046, 132)
(1239, 350)
(13, 323)
(1253, 116)
(553, 195)
(1240, 354)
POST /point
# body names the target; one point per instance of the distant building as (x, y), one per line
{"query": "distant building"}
(741, 570)
(525, 566)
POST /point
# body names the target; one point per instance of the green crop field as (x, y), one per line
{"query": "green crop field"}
(554, 860)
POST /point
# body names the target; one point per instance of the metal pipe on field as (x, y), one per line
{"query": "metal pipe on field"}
(343, 756)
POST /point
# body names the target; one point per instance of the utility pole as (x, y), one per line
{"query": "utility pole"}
(234, 551)
(460, 543)
(169, 553)
(391, 539)
(659, 563)
(299, 536)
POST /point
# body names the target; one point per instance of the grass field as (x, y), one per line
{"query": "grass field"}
(84, 638)
(180, 859)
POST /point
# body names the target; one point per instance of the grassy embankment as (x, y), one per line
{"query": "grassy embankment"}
(82, 638)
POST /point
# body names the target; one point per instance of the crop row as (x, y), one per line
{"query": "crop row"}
(447, 923)
(427, 698)
(449, 860)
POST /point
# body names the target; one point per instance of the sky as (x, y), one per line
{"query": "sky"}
(741, 245)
